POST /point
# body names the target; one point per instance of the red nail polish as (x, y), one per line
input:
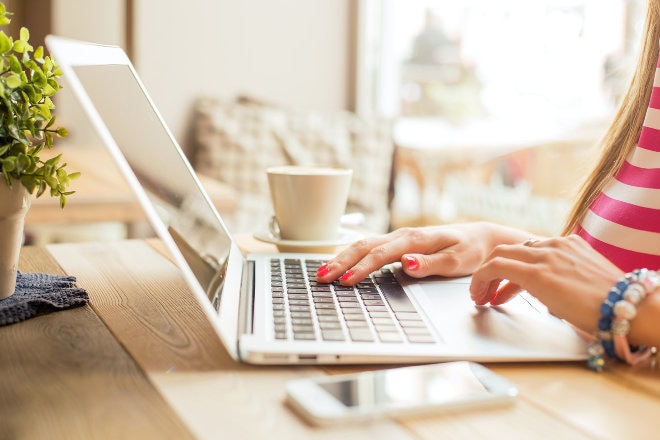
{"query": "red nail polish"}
(412, 262)
(323, 270)
(347, 275)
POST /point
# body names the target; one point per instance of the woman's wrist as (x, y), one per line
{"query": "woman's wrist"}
(617, 314)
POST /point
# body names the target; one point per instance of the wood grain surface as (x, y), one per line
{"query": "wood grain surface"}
(64, 375)
(140, 362)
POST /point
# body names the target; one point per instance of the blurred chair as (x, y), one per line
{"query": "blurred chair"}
(235, 141)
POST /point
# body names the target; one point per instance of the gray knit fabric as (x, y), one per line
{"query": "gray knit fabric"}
(38, 294)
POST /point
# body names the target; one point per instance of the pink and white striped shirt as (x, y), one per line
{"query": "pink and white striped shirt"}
(623, 223)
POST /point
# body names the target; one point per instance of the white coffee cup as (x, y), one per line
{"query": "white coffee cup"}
(308, 201)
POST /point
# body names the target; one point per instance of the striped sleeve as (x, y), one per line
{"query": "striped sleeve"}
(623, 222)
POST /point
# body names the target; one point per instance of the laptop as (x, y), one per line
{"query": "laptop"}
(260, 315)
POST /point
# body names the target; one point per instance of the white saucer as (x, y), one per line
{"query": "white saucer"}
(346, 236)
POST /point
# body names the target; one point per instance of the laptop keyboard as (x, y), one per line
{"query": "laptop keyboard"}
(377, 309)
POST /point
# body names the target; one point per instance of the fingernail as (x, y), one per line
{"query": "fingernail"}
(412, 262)
(323, 270)
(347, 275)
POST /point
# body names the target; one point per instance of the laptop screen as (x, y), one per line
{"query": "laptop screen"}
(162, 171)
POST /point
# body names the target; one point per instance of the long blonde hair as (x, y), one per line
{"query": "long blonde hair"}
(623, 134)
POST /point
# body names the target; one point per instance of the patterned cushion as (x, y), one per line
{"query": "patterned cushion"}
(235, 141)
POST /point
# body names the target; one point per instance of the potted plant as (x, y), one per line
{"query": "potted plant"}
(28, 81)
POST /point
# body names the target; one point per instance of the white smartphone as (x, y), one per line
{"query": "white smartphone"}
(398, 391)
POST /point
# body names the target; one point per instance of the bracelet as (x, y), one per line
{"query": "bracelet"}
(618, 309)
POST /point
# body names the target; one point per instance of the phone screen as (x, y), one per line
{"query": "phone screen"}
(404, 387)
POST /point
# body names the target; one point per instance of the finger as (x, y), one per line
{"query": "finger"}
(376, 258)
(363, 257)
(487, 278)
(485, 291)
(505, 292)
(444, 263)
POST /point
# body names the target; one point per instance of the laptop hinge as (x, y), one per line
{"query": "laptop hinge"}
(246, 307)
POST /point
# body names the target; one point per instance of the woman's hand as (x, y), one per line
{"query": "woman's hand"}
(566, 274)
(448, 250)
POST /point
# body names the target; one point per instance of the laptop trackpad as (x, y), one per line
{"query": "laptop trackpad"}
(515, 324)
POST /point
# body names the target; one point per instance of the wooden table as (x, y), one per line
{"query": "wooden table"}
(138, 363)
(102, 194)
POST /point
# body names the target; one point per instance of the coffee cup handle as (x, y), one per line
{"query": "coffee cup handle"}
(274, 227)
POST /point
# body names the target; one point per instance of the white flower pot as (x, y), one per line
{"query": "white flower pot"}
(14, 204)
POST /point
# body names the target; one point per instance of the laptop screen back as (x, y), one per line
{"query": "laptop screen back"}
(161, 169)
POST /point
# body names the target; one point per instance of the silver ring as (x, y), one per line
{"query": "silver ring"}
(530, 242)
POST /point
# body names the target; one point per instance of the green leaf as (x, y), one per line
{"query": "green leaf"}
(49, 90)
(9, 164)
(13, 81)
(5, 42)
(39, 54)
(20, 46)
(24, 34)
(14, 64)
(39, 78)
(54, 160)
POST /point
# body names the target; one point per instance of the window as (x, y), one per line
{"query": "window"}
(464, 59)
(491, 98)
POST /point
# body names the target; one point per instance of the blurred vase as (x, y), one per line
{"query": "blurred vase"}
(14, 204)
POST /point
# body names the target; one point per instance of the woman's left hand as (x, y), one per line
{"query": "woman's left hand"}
(564, 273)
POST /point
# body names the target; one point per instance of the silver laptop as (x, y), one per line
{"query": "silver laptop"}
(261, 316)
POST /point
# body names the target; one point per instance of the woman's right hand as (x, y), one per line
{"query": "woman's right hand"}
(447, 250)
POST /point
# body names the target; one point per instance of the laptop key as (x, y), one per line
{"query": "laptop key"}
(376, 314)
(299, 329)
(355, 316)
(361, 335)
(382, 321)
(416, 331)
(350, 306)
(408, 316)
(333, 335)
(373, 302)
(422, 339)
(357, 324)
(376, 309)
(390, 337)
(386, 329)
(328, 318)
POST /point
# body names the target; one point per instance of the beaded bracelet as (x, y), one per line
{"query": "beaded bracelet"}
(618, 309)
